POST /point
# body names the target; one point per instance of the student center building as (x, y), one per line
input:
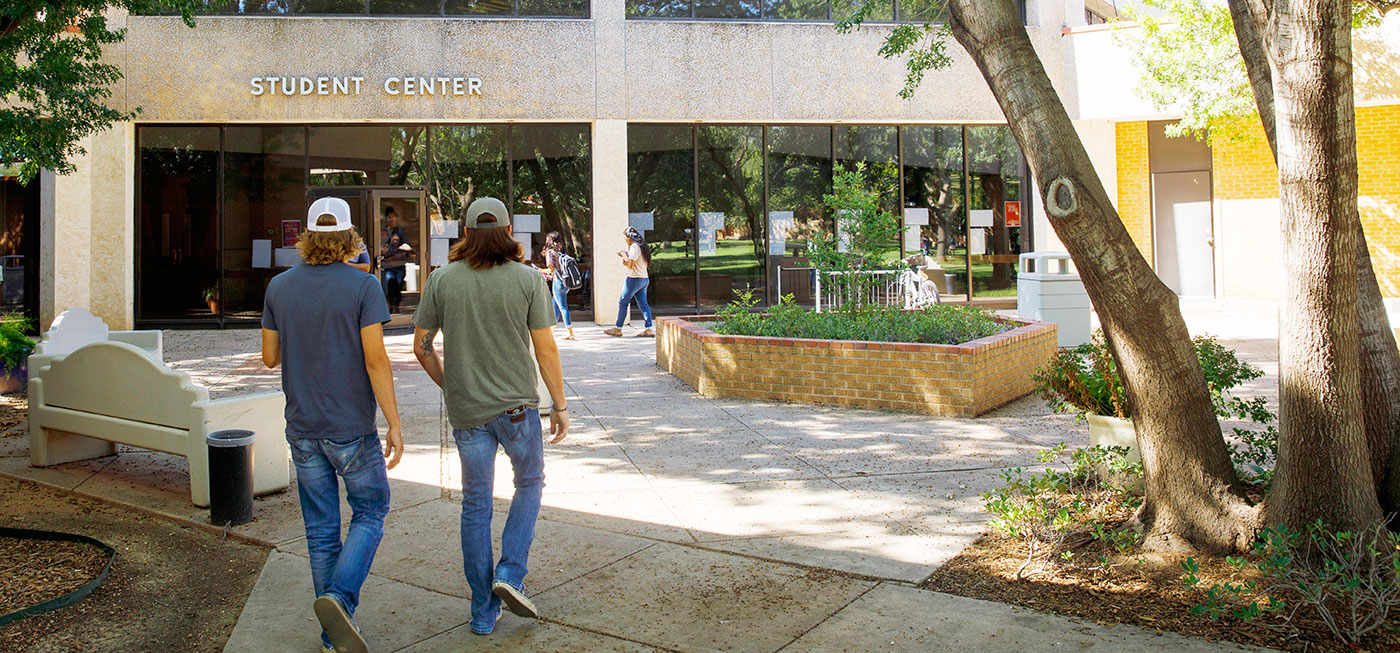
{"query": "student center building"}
(713, 125)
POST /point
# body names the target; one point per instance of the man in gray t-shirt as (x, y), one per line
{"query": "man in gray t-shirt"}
(492, 309)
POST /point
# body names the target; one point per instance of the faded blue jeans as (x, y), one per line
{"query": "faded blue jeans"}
(339, 568)
(561, 302)
(634, 287)
(522, 437)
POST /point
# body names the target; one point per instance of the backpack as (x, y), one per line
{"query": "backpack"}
(568, 272)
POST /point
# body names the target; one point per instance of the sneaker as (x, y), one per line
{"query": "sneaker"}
(647, 333)
(515, 600)
(486, 630)
(613, 331)
(345, 637)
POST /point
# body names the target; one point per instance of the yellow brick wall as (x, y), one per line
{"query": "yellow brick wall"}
(1245, 183)
(1135, 184)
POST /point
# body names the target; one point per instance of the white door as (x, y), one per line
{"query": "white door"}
(1184, 241)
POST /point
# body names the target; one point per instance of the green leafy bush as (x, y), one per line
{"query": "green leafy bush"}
(939, 324)
(1348, 581)
(15, 343)
(866, 234)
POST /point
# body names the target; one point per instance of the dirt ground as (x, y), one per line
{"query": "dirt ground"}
(172, 588)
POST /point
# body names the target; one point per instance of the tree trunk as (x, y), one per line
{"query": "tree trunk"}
(1193, 498)
(1380, 359)
(1324, 469)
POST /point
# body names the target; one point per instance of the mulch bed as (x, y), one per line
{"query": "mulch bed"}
(34, 571)
(1143, 590)
(14, 412)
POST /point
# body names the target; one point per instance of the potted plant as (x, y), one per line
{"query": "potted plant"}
(1084, 380)
(211, 297)
(15, 345)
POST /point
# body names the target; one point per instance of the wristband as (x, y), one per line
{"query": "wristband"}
(564, 409)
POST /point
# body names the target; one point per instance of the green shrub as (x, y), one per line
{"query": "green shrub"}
(15, 343)
(1349, 582)
(939, 324)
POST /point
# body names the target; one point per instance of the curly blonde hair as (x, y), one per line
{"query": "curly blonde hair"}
(326, 247)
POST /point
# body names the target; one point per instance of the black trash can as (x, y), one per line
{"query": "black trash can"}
(230, 477)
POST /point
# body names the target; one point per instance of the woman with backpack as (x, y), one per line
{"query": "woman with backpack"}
(556, 271)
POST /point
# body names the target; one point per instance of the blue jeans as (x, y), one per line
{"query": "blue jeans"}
(523, 441)
(339, 568)
(634, 287)
(561, 302)
(392, 280)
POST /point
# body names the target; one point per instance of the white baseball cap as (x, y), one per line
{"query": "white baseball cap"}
(332, 206)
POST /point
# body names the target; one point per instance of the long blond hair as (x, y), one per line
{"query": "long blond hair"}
(326, 247)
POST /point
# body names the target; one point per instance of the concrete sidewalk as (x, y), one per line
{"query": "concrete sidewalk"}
(671, 521)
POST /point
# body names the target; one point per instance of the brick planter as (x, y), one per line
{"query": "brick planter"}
(948, 380)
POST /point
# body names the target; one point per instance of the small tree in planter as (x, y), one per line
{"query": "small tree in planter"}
(864, 233)
(15, 346)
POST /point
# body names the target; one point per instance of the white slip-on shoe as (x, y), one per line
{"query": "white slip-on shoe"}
(345, 637)
(515, 600)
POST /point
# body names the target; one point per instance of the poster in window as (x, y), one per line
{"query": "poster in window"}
(291, 232)
(1013, 214)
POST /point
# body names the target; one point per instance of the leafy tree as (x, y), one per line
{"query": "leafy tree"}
(1328, 435)
(863, 235)
(54, 85)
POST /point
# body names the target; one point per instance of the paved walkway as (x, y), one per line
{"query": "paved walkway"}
(671, 521)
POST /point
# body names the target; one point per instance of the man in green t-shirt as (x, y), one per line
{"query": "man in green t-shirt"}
(491, 309)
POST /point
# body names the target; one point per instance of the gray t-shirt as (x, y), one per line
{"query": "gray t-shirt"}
(317, 312)
(486, 317)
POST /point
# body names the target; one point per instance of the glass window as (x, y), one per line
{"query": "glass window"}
(332, 7)
(178, 223)
(796, 10)
(882, 13)
(405, 7)
(658, 8)
(555, 8)
(264, 187)
(479, 7)
(877, 147)
(934, 193)
(996, 238)
(799, 175)
(552, 167)
(730, 246)
(661, 202)
(251, 7)
(733, 9)
(469, 161)
(923, 11)
(367, 155)
(19, 241)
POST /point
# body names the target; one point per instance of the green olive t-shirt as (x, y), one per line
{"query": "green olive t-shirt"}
(486, 317)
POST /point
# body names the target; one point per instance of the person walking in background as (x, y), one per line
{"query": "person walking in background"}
(553, 255)
(393, 264)
(492, 308)
(323, 323)
(637, 258)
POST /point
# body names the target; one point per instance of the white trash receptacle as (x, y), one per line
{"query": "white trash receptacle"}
(1049, 290)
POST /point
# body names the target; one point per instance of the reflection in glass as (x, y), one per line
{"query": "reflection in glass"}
(658, 8)
(796, 10)
(469, 161)
(367, 155)
(479, 7)
(933, 180)
(264, 185)
(883, 12)
(178, 223)
(249, 7)
(877, 147)
(661, 184)
(994, 161)
(799, 175)
(19, 269)
(553, 172)
(405, 7)
(554, 8)
(333, 7)
(730, 246)
(735, 9)
(923, 11)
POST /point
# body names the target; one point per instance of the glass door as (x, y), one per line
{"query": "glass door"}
(399, 249)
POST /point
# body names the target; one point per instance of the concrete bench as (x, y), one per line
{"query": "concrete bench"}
(82, 404)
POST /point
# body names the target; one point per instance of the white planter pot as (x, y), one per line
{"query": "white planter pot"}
(1114, 432)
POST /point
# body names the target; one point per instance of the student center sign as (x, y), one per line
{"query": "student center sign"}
(715, 127)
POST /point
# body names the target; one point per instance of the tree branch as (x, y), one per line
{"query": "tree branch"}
(1251, 30)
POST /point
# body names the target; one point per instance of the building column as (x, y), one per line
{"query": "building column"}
(609, 216)
(113, 259)
(65, 226)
